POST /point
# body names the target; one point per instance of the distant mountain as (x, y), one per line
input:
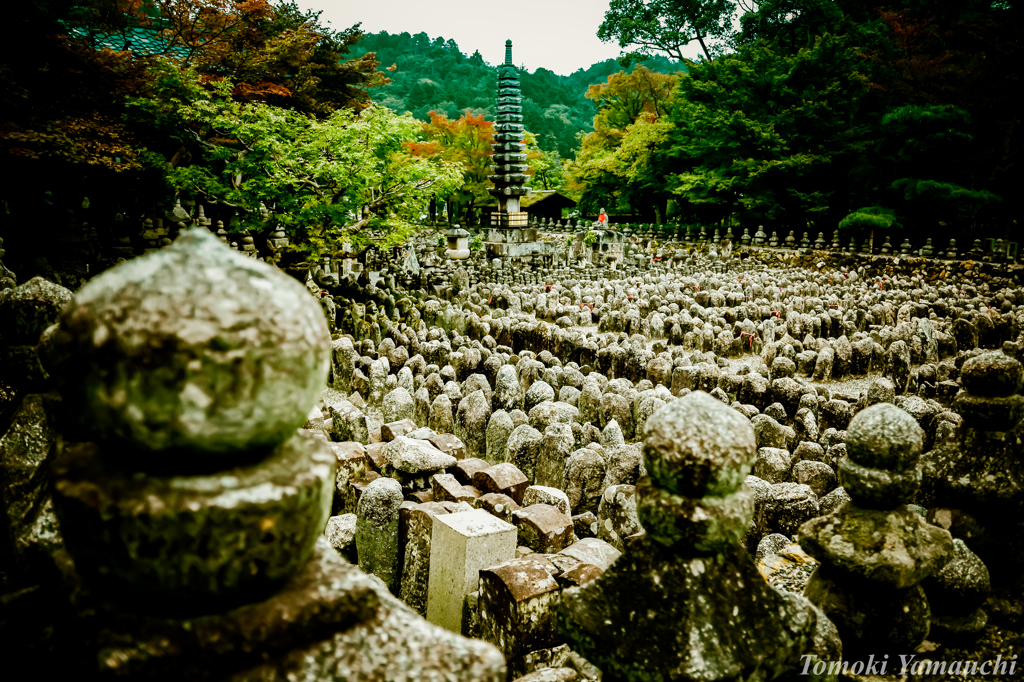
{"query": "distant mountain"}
(436, 75)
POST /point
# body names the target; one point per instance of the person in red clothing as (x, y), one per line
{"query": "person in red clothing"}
(602, 218)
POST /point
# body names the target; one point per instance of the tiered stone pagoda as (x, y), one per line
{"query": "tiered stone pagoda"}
(510, 234)
(509, 149)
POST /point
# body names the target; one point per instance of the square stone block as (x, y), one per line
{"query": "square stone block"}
(461, 545)
(392, 430)
(450, 444)
(544, 528)
(517, 603)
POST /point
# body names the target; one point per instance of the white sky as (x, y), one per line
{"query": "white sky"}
(560, 35)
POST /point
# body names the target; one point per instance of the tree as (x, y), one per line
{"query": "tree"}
(347, 177)
(666, 26)
(869, 220)
(625, 97)
(615, 165)
(774, 136)
(544, 167)
(466, 143)
(824, 107)
(791, 24)
(272, 50)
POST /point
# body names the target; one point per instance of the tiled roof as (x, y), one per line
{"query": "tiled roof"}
(139, 40)
(537, 196)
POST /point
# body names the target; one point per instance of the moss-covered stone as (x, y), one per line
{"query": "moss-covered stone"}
(325, 596)
(878, 488)
(28, 309)
(895, 548)
(194, 348)
(871, 619)
(884, 437)
(707, 525)
(989, 413)
(697, 446)
(992, 374)
(193, 543)
(655, 616)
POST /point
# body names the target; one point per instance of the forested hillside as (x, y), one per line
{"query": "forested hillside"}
(435, 75)
(817, 114)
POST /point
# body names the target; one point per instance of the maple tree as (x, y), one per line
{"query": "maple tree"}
(466, 142)
(625, 97)
(617, 165)
(272, 51)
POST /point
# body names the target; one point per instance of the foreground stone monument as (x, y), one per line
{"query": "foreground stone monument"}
(875, 551)
(194, 510)
(974, 481)
(689, 571)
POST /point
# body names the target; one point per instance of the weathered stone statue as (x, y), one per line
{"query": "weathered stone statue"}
(974, 480)
(685, 602)
(875, 551)
(192, 504)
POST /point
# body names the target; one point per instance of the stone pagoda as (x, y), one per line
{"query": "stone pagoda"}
(510, 234)
(509, 149)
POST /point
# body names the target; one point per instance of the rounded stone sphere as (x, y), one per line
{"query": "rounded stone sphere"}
(884, 437)
(697, 446)
(27, 310)
(992, 375)
(193, 348)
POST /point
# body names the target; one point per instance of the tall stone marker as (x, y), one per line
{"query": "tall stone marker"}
(462, 545)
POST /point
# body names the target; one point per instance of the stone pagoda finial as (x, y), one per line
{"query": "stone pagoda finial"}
(508, 53)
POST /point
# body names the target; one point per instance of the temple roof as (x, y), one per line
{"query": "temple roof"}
(549, 195)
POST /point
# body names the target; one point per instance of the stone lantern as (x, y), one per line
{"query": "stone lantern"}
(458, 243)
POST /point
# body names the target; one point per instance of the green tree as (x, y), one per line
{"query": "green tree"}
(773, 136)
(619, 165)
(348, 177)
(666, 26)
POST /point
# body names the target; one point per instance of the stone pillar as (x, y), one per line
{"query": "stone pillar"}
(377, 530)
(462, 544)
(418, 529)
